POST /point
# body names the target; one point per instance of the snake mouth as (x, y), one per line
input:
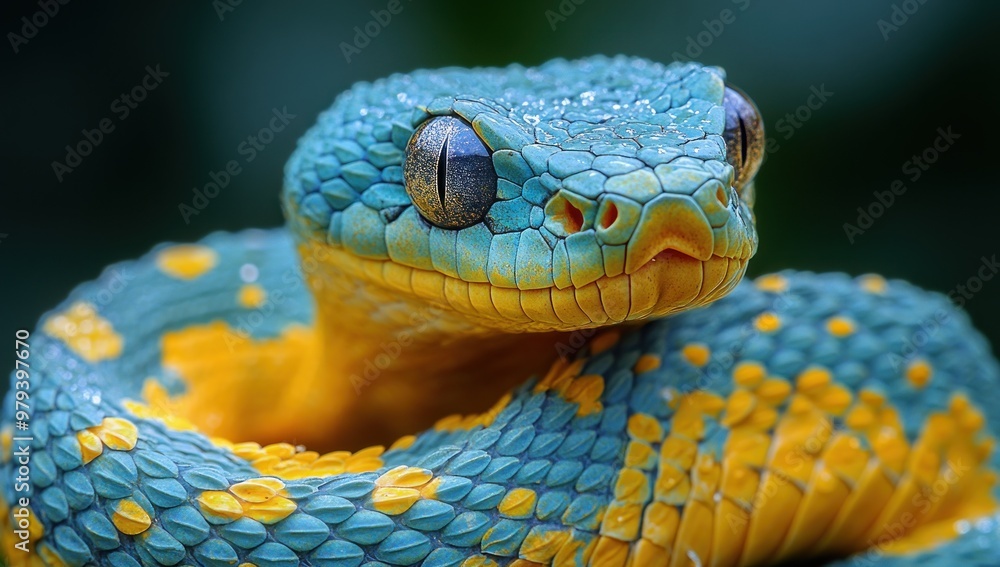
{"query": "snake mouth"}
(672, 227)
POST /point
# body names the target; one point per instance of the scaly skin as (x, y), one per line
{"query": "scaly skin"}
(800, 415)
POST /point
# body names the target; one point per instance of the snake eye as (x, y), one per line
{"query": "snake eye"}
(744, 136)
(449, 173)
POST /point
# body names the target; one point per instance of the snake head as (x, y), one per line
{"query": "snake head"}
(570, 195)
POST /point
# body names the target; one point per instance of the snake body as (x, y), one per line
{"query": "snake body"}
(796, 416)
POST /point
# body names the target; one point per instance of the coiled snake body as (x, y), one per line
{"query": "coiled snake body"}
(503, 243)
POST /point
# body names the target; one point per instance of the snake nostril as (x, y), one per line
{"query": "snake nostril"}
(573, 218)
(609, 216)
(567, 213)
(723, 196)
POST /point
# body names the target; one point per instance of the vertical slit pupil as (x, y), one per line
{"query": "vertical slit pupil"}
(442, 170)
(743, 142)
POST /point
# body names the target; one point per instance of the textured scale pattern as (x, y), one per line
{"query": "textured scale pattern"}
(622, 137)
(800, 415)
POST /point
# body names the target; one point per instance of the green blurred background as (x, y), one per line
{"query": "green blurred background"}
(892, 89)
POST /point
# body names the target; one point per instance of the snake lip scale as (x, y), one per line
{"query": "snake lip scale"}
(449, 233)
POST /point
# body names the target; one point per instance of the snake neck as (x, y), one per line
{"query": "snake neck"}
(385, 363)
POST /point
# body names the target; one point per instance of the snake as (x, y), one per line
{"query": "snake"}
(505, 324)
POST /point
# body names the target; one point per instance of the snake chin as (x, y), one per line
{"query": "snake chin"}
(675, 281)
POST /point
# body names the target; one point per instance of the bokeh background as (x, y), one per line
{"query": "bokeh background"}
(929, 66)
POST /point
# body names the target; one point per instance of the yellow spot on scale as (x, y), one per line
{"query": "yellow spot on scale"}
(840, 326)
(621, 521)
(632, 487)
(270, 512)
(749, 374)
(117, 433)
(645, 427)
(130, 518)
(871, 397)
(609, 549)
(518, 503)
(85, 332)
(835, 399)
(738, 407)
(251, 296)
(774, 283)
(860, 418)
(873, 283)
(813, 379)
(285, 461)
(679, 451)
(646, 552)
(90, 445)
(404, 477)
(220, 504)
(6, 443)
(919, 373)
(697, 354)
(186, 261)
(640, 454)
(264, 506)
(564, 378)
(254, 491)
(393, 501)
(767, 322)
(773, 391)
(541, 544)
(429, 491)
(560, 374)
(604, 341)
(479, 561)
(646, 363)
(259, 499)
(659, 524)
(586, 391)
